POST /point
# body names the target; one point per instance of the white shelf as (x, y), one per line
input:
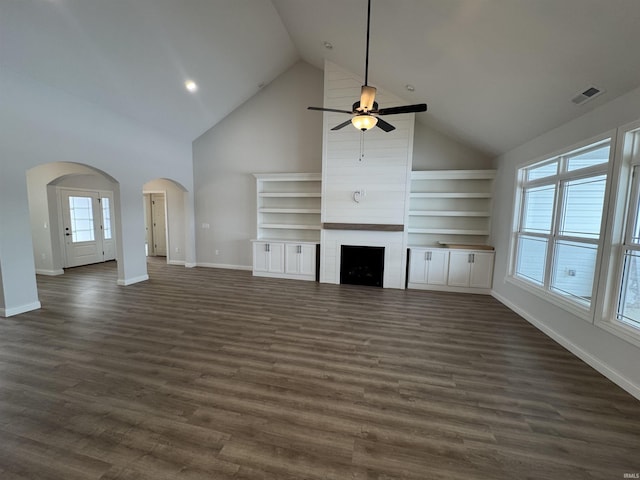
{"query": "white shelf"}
(289, 194)
(448, 213)
(450, 195)
(288, 206)
(448, 231)
(453, 175)
(289, 210)
(450, 205)
(286, 226)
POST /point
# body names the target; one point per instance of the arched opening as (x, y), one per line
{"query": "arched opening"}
(74, 214)
(165, 206)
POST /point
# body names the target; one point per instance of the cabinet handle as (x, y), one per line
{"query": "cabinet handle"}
(299, 248)
(266, 247)
(472, 258)
(429, 255)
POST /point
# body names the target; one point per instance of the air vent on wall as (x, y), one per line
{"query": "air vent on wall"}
(589, 93)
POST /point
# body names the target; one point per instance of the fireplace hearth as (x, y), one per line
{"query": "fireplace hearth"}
(361, 265)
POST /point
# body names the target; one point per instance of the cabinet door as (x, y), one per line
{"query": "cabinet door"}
(459, 269)
(481, 270)
(307, 260)
(437, 267)
(292, 258)
(418, 265)
(260, 257)
(276, 257)
(300, 259)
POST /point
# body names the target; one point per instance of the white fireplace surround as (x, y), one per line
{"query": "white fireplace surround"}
(394, 253)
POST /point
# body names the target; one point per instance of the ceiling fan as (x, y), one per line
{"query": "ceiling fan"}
(365, 113)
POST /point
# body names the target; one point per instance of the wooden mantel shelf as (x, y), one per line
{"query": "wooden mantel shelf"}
(376, 227)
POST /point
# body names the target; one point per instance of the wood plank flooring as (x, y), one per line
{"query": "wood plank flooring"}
(215, 374)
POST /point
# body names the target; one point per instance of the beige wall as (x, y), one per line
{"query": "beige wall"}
(272, 132)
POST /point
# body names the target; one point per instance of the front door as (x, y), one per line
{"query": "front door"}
(82, 216)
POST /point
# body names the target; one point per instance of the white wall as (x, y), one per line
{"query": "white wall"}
(433, 150)
(611, 355)
(38, 125)
(272, 132)
(384, 170)
(175, 197)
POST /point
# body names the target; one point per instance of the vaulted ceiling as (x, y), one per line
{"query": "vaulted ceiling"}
(495, 73)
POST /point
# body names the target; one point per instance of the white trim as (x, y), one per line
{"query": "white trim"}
(190, 264)
(50, 273)
(130, 281)
(9, 312)
(582, 354)
(288, 276)
(552, 297)
(289, 177)
(621, 330)
(223, 265)
(447, 288)
(175, 262)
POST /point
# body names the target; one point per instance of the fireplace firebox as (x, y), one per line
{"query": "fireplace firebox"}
(360, 265)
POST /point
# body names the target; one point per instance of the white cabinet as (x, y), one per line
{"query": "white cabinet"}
(470, 269)
(454, 270)
(284, 259)
(428, 266)
(301, 259)
(268, 257)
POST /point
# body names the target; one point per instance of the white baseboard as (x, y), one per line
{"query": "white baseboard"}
(131, 281)
(224, 265)
(175, 262)
(50, 273)
(9, 312)
(582, 354)
(190, 264)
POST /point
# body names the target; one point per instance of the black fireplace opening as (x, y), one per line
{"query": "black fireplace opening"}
(361, 265)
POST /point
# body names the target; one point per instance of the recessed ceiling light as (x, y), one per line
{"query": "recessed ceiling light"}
(328, 45)
(410, 88)
(191, 86)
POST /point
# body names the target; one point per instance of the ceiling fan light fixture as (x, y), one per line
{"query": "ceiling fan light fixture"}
(364, 121)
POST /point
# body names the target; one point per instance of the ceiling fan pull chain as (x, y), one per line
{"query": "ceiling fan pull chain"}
(361, 145)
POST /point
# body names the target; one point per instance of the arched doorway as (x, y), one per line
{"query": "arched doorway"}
(74, 214)
(166, 222)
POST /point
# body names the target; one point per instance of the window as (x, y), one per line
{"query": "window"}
(628, 298)
(558, 224)
(106, 218)
(81, 213)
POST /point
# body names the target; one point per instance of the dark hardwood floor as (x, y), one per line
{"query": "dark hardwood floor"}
(215, 374)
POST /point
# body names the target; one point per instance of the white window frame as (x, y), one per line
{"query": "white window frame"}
(624, 208)
(560, 179)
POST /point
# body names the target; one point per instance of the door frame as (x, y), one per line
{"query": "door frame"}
(166, 218)
(60, 206)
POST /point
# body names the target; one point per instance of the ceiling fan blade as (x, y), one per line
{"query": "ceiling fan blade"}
(342, 125)
(420, 107)
(329, 110)
(387, 127)
(367, 98)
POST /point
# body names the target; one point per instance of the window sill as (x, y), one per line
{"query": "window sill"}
(571, 307)
(621, 330)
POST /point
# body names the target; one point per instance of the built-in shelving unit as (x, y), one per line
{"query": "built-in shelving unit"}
(450, 206)
(288, 225)
(288, 206)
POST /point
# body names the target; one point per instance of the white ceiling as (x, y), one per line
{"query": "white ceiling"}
(495, 73)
